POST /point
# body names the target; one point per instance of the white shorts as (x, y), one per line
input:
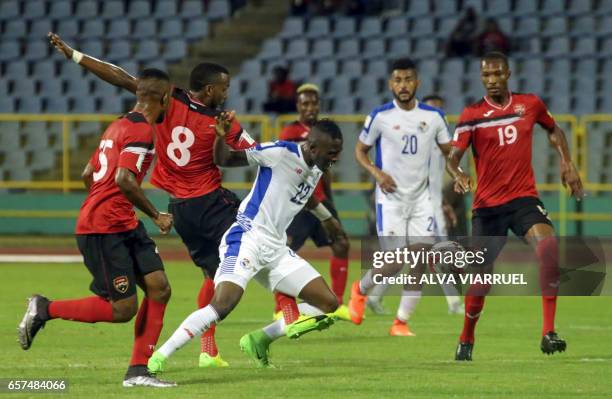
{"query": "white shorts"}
(440, 222)
(277, 269)
(406, 219)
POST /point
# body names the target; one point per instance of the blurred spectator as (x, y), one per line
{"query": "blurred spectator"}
(461, 40)
(281, 92)
(300, 7)
(492, 39)
(355, 8)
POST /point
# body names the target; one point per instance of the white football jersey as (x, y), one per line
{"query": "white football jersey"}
(404, 142)
(283, 185)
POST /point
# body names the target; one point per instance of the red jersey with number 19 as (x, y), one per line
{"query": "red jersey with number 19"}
(501, 138)
(126, 143)
(185, 140)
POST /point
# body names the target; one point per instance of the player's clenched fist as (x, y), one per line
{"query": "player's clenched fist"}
(60, 45)
(571, 178)
(223, 122)
(164, 222)
(386, 182)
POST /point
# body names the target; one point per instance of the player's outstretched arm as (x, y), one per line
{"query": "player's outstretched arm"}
(569, 174)
(87, 176)
(104, 70)
(222, 154)
(386, 182)
(463, 183)
(125, 179)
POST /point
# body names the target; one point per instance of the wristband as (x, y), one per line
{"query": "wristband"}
(321, 212)
(77, 56)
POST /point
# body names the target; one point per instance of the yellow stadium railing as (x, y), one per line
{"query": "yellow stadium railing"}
(269, 131)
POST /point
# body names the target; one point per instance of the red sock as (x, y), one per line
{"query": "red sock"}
(338, 270)
(207, 340)
(474, 302)
(289, 307)
(148, 326)
(547, 252)
(91, 309)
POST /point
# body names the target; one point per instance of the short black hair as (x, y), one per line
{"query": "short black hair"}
(495, 56)
(205, 74)
(402, 63)
(154, 73)
(432, 97)
(328, 127)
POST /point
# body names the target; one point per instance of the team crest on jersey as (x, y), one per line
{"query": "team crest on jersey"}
(298, 171)
(121, 284)
(246, 264)
(422, 126)
(519, 109)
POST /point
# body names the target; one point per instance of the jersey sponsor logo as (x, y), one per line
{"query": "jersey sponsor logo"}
(519, 109)
(488, 113)
(121, 284)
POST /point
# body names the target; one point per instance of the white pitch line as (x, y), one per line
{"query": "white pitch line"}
(19, 258)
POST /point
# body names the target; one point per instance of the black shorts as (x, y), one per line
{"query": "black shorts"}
(305, 225)
(115, 260)
(201, 223)
(518, 215)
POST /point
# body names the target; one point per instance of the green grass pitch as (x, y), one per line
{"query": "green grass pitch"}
(345, 361)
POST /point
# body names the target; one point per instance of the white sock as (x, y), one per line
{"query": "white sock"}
(309, 310)
(409, 301)
(276, 329)
(193, 326)
(366, 282)
(452, 295)
(377, 292)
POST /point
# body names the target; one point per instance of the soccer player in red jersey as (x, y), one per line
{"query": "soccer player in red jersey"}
(114, 243)
(202, 209)
(499, 128)
(305, 224)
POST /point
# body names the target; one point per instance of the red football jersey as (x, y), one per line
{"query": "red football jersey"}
(501, 140)
(126, 143)
(297, 131)
(185, 139)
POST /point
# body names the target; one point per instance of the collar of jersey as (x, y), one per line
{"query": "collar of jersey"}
(492, 104)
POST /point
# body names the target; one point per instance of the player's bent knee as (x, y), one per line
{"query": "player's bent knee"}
(162, 294)
(341, 247)
(124, 310)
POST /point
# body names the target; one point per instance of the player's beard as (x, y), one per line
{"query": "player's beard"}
(397, 98)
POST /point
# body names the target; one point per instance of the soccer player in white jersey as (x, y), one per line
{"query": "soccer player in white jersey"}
(404, 133)
(255, 246)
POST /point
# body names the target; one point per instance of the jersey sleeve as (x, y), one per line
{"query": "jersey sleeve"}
(442, 132)
(544, 118)
(371, 130)
(238, 138)
(135, 147)
(463, 131)
(265, 154)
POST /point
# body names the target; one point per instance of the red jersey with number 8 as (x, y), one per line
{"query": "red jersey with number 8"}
(126, 143)
(501, 138)
(185, 141)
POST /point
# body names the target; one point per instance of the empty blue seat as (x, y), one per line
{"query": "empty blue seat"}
(340, 86)
(40, 28)
(396, 27)
(174, 50)
(110, 105)
(495, 8)
(373, 48)
(555, 26)
(322, 48)
(367, 86)
(29, 105)
(16, 70)
(196, 29)
(101, 88)
(36, 50)
(400, 47)
(171, 28)
(368, 103)
(551, 7)
(93, 48)
(14, 29)
(327, 69)
(7, 105)
(301, 70)
(14, 159)
(425, 48)
(218, 10)
(144, 29)
(165, 9)
(56, 105)
(292, 27)
(42, 159)
(192, 9)
(60, 9)
(112, 9)
(604, 28)
(118, 29)
(297, 48)
(525, 7)
(92, 29)
(422, 27)
(348, 48)
(527, 26)
(444, 8)
(318, 27)
(9, 10)
(344, 105)
(352, 68)
(419, 8)
(579, 7)
(344, 27)
(271, 48)
(250, 69)
(370, 27)
(32, 9)
(83, 105)
(44, 69)
(50, 87)
(445, 27)
(86, 9)
(558, 46)
(147, 50)
(68, 29)
(378, 67)
(139, 9)
(584, 47)
(119, 50)
(77, 88)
